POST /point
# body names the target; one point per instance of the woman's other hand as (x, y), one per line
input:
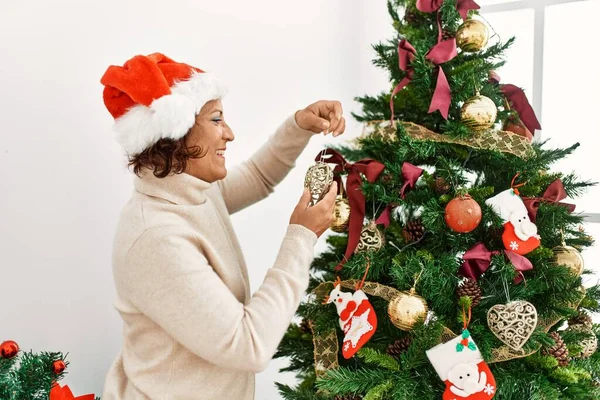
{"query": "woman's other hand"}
(318, 217)
(322, 116)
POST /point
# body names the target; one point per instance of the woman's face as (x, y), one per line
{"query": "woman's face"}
(211, 133)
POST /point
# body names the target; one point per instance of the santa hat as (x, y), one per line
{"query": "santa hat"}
(153, 97)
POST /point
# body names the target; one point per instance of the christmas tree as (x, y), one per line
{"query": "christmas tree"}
(457, 271)
(33, 376)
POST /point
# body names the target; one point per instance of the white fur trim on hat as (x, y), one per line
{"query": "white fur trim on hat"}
(170, 116)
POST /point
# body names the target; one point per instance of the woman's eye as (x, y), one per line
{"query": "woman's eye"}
(217, 120)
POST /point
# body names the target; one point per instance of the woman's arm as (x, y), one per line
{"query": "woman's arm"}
(169, 280)
(255, 178)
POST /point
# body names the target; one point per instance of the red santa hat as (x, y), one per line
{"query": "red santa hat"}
(153, 97)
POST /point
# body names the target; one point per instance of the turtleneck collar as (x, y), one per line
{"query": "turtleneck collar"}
(181, 189)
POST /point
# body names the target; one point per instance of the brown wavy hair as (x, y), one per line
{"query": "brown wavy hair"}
(165, 157)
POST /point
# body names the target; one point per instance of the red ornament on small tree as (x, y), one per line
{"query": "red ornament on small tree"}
(58, 366)
(463, 214)
(9, 349)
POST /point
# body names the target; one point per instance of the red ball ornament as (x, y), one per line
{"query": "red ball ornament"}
(58, 366)
(9, 349)
(463, 214)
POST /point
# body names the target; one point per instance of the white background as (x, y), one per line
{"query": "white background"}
(63, 179)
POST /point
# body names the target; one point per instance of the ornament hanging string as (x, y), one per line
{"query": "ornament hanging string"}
(514, 187)
(360, 285)
(371, 169)
(466, 321)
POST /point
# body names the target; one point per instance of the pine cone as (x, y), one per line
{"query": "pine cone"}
(305, 326)
(470, 288)
(387, 178)
(582, 319)
(447, 34)
(399, 346)
(558, 351)
(412, 16)
(349, 396)
(441, 185)
(413, 231)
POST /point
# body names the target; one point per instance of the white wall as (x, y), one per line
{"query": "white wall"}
(63, 179)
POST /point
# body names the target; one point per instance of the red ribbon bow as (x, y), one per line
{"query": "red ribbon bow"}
(411, 175)
(462, 6)
(406, 54)
(518, 101)
(478, 258)
(553, 194)
(371, 170)
(64, 393)
(439, 54)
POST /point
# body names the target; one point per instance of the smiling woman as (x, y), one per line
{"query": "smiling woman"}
(192, 329)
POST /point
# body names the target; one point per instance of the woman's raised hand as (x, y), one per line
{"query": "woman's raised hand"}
(322, 116)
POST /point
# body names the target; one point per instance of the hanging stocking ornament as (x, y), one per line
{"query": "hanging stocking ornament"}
(520, 234)
(357, 316)
(460, 365)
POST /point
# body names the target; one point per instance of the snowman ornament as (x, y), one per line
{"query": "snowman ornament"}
(460, 365)
(357, 318)
(520, 234)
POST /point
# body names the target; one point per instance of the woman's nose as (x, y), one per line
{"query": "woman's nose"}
(228, 135)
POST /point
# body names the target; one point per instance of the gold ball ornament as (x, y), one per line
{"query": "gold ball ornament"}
(472, 35)
(406, 309)
(318, 180)
(341, 215)
(479, 113)
(569, 257)
(371, 238)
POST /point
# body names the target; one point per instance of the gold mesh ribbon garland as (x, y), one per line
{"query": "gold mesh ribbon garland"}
(497, 140)
(325, 351)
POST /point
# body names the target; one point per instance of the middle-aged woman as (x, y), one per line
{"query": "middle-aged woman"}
(191, 328)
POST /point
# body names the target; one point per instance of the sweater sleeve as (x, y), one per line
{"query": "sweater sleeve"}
(171, 282)
(255, 178)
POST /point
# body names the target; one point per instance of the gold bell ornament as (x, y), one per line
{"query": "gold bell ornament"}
(318, 180)
(371, 238)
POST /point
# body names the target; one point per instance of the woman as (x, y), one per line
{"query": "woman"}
(191, 328)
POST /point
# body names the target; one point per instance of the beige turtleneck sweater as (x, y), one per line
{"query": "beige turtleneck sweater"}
(191, 329)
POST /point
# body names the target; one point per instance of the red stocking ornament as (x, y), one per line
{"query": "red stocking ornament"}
(357, 317)
(520, 234)
(462, 368)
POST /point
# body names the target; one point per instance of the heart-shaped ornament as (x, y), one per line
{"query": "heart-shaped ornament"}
(513, 323)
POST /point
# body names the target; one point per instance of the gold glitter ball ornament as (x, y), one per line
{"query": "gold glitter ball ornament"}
(569, 257)
(472, 36)
(406, 309)
(479, 113)
(318, 180)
